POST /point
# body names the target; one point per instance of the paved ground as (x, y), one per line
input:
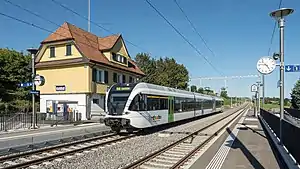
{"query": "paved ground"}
(18, 138)
(243, 146)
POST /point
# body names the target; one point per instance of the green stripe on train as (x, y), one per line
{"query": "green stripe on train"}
(171, 109)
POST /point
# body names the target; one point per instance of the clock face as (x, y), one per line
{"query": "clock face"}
(266, 65)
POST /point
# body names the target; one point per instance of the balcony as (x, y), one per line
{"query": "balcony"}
(98, 88)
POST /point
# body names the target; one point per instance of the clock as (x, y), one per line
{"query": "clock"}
(266, 65)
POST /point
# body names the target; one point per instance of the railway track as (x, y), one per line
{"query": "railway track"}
(178, 153)
(44, 155)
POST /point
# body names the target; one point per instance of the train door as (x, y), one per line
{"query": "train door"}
(171, 109)
(214, 104)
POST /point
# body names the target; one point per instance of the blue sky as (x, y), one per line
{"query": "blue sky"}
(237, 31)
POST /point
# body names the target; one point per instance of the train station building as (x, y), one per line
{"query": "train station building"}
(78, 68)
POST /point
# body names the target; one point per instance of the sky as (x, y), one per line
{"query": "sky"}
(238, 33)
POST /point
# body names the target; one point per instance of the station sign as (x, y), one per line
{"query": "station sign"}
(254, 88)
(60, 88)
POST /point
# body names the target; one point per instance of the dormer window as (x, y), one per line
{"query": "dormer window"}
(119, 58)
(52, 52)
(68, 50)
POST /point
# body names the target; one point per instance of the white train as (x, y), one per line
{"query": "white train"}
(142, 105)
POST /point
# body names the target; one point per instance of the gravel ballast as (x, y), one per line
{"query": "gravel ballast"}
(120, 154)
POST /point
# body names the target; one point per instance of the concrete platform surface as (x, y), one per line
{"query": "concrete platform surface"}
(244, 145)
(25, 137)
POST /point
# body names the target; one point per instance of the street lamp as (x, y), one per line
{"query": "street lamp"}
(33, 52)
(279, 16)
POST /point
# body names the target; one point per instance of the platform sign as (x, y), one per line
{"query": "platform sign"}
(26, 84)
(34, 91)
(292, 68)
(254, 88)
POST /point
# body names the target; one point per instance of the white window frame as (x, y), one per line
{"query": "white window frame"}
(100, 71)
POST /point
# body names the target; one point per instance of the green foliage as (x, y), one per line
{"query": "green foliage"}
(164, 71)
(224, 93)
(193, 88)
(295, 95)
(14, 69)
(200, 90)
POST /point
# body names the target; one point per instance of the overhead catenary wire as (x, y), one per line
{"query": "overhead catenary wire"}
(178, 32)
(76, 13)
(194, 28)
(44, 29)
(43, 18)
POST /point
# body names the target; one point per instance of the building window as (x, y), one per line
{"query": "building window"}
(52, 51)
(96, 101)
(119, 58)
(68, 50)
(120, 78)
(130, 79)
(100, 76)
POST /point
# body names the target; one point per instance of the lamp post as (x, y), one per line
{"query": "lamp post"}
(279, 16)
(33, 52)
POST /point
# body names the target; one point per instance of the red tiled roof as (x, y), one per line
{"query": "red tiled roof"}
(90, 45)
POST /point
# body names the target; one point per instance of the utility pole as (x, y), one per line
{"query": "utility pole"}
(258, 97)
(89, 15)
(33, 52)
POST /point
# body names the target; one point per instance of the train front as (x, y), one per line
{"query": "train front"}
(116, 104)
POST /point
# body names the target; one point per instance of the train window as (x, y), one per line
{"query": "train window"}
(177, 105)
(163, 104)
(138, 103)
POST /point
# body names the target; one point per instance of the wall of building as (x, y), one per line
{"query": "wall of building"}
(80, 98)
(60, 53)
(75, 79)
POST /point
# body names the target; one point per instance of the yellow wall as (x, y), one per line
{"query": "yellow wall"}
(101, 88)
(60, 53)
(76, 79)
(108, 55)
(120, 48)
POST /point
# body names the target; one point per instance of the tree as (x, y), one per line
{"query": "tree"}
(165, 72)
(194, 88)
(295, 95)
(14, 69)
(223, 93)
(200, 90)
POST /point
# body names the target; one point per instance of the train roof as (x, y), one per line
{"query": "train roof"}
(167, 89)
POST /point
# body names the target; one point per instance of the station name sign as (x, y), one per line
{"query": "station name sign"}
(60, 88)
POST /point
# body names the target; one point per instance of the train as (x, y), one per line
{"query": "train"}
(135, 106)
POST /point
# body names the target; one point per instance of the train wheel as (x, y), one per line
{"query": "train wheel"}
(129, 130)
(116, 129)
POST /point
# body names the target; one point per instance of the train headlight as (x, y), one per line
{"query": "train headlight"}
(126, 112)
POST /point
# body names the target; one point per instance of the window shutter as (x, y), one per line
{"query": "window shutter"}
(124, 79)
(115, 78)
(106, 77)
(94, 75)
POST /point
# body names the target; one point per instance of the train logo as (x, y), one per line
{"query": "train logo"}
(156, 117)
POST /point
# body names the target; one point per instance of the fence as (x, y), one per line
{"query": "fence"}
(290, 133)
(293, 112)
(24, 120)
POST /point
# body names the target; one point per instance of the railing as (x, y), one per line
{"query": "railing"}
(24, 120)
(290, 133)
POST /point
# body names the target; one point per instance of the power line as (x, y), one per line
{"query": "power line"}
(194, 28)
(76, 13)
(43, 18)
(273, 32)
(41, 28)
(177, 31)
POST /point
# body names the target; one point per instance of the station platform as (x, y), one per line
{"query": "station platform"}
(33, 136)
(244, 145)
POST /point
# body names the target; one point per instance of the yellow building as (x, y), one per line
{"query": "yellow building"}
(78, 68)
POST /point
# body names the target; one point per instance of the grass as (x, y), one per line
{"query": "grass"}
(271, 106)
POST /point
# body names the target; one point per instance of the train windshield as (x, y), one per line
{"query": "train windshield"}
(117, 98)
